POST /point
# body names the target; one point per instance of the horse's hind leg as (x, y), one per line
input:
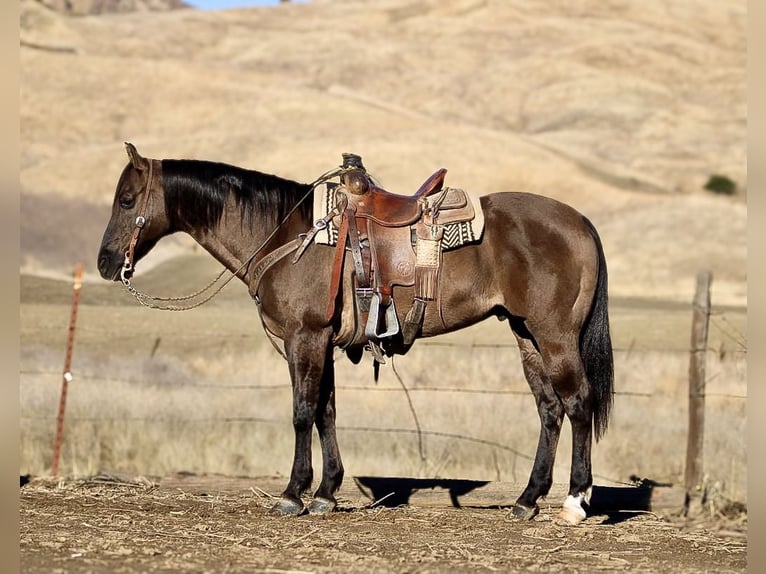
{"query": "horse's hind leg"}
(565, 373)
(578, 406)
(551, 412)
(332, 466)
(307, 357)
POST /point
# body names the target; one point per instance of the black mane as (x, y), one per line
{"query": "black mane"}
(196, 193)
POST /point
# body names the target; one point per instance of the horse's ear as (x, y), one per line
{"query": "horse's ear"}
(136, 159)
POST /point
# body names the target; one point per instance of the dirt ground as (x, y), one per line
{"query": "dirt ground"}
(212, 524)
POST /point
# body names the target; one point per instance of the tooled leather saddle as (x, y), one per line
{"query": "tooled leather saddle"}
(394, 240)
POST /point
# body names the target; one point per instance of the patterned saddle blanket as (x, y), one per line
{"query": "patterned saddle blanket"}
(456, 233)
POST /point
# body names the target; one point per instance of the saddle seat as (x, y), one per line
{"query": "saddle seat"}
(390, 209)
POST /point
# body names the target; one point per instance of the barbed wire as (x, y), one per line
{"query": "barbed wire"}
(731, 332)
(286, 422)
(363, 388)
(223, 339)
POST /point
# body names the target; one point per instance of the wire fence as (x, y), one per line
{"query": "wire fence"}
(719, 320)
(727, 332)
(55, 376)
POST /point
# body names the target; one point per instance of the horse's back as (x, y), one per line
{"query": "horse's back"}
(537, 226)
(525, 209)
(541, 253)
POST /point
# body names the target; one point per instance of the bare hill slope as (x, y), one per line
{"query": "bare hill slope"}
(621, 109)
(83, 7)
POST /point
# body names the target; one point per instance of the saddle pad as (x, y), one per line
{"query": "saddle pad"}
(455, 234)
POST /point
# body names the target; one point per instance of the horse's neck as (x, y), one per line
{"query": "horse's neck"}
(236, 246)
(224, 251)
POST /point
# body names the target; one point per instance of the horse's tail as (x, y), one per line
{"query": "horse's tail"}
(596, 346)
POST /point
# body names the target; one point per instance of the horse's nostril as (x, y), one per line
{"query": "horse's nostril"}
(103, 264)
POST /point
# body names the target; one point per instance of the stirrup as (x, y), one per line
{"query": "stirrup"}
(391, 322)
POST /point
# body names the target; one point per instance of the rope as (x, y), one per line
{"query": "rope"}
(421, 446)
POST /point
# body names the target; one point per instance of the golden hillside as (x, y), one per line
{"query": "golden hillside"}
(621, 109)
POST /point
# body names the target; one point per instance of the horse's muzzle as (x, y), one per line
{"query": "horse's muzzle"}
(109, 265)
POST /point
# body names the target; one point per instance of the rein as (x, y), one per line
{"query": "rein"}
(152, 301)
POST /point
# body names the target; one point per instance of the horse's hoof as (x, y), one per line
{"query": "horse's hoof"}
(321, 505)
(287, 507)
(568, 517)
(521, 512)
(572, 513)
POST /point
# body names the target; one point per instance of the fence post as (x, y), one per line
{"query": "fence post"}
(67, 372)
(696, 434)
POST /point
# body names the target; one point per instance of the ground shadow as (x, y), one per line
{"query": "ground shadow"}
(618, 503)
(391, 492)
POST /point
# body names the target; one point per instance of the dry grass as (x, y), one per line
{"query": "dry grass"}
(205, 392)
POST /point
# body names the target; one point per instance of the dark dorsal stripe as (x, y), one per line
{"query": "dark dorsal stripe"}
(196, 193)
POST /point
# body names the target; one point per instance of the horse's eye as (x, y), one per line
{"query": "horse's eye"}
(127, 201)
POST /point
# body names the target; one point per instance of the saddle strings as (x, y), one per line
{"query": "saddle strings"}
(150, 301)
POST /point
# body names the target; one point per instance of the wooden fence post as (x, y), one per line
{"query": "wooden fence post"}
(695, 438)
(67, 370)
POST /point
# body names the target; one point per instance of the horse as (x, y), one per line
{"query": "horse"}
(539, 265)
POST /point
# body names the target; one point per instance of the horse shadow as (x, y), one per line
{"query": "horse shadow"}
(617, 503)
(391, 492)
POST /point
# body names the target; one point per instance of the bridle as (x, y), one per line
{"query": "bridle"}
(127, 266)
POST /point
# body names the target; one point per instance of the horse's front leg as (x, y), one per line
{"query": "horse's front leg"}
(332, 466)
(307, 357)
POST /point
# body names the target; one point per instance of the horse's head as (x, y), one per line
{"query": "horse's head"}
(138, 216)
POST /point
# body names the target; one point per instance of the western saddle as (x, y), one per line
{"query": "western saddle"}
(394, 240)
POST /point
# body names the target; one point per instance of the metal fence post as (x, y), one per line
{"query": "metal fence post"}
(67, 378)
